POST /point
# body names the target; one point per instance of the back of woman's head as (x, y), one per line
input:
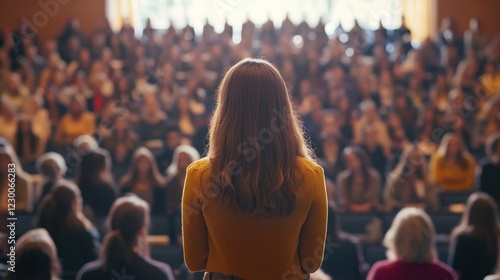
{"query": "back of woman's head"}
(128, 217)
(411, 237)
(94, 169)
(36, 257)
(480, 219)
(55, 208)
(255, 138)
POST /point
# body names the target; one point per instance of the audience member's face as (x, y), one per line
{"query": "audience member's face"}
(330, 147)
(329, 125)
(370, 137)
(183, 162)
(353, 162)
(173, 140)
(121, 124)
(143, 165)
(370, 113)
(76, 107)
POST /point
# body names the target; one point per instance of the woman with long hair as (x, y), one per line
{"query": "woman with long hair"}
(145, 180)
(452, 167)
(256, 206)
(76, 239)
(36, 257)
(124, 251)
(489, 171)
(184, 155)
(121, 144)
(408, 184)
(411, 250)
(93, 177)
(359, 184)
(474, 242)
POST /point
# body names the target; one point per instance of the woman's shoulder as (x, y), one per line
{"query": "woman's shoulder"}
(308, 164)
(200, 164)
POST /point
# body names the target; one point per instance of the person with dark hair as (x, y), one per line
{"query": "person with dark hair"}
(121, 144)
(93, 177)
(76, 239)
(345, 261)
(125, 251)
(36, 257)
(173, 139)
(145, 180)
(359, 184)
(184, 155)
(474, 242)
(489, 172)
(256, 206)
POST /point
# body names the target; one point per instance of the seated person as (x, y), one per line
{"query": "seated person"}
(408, 183)
(359, 184)
(452, 168)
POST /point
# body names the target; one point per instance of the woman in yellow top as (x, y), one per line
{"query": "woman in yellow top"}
(256, 206)
(452, 167)
(75, 123)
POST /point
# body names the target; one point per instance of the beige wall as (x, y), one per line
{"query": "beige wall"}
(50, 16)
(487, 11)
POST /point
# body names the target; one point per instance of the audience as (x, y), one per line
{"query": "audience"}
(113, 107)
(408, 184)
(93, 177)
(76, 239)
(176, 173)
(52, 167)
(344, 258)
(411, 250)
(452, 167)
(125, 250)
(474, 242)
(145, 180)
(359, 184)
(9, 164)
(489, 172)
(36, 257)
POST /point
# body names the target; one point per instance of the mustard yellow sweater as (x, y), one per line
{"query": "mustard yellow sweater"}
(249, 247)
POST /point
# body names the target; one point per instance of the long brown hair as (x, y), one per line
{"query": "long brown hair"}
(132, 176)
(480, 220)
(127, 217)
(255, 138)
(56, 211)
(462, 155)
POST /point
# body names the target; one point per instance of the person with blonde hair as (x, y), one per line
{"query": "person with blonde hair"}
(411, 250)
(408, 184)
(256, 206)
(36, 257)
(452, 167)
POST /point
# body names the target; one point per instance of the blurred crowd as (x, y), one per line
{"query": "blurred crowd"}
(393, 123)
